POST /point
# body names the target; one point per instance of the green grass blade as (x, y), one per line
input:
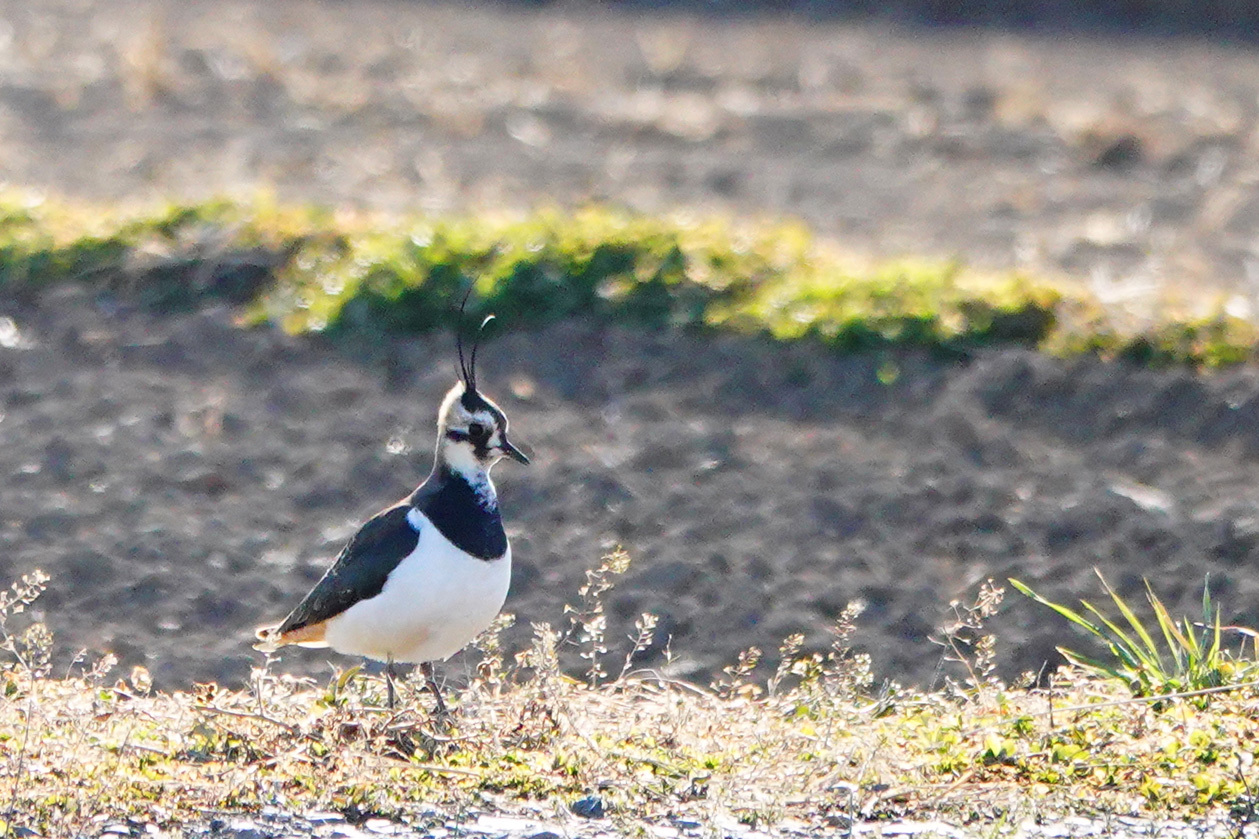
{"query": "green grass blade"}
(1131, 617)
(1215, 641)
(1121, 646)
(1067, 612)
(1099, 667)
(1133, 653)
(1211, 620)
(1182, 646)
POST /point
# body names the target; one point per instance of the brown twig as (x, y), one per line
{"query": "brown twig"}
(251, 715)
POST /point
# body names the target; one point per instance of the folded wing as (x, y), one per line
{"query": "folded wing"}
(359, 573)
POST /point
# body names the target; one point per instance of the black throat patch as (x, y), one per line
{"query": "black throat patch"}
(458, 512)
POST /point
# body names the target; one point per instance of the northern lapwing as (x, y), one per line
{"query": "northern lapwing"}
(420, 579)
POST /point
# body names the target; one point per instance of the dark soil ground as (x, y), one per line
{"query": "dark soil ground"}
(183, 480)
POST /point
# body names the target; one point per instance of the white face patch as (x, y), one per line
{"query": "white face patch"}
(458, 446)
(473, 440)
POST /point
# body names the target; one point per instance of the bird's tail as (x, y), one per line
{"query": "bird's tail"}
(269, 639)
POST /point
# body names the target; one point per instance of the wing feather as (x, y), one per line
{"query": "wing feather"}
(359, 573)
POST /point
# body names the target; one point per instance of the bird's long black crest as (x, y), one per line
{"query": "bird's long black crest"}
(467, 368)
(463, 366)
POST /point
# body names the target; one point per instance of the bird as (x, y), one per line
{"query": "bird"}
(422, 578)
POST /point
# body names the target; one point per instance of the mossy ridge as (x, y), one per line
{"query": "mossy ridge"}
(313, 269)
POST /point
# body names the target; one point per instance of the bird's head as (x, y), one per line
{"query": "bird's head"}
(472, 429)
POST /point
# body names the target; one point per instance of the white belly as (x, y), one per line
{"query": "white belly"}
(433, 604)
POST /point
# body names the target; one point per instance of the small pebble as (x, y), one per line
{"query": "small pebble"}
(590, 807)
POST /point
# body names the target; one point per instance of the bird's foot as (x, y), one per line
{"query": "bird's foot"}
(442, 718)
(391, 694)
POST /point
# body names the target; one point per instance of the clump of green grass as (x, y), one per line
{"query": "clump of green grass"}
(317, 270)
(1174, 656)
(815, 742)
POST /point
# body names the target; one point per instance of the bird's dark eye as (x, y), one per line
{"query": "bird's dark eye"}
(477, 431)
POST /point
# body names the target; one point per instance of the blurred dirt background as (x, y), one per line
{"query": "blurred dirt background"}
(183, 480)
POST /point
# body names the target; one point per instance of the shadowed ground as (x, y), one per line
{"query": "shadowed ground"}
(183, 480)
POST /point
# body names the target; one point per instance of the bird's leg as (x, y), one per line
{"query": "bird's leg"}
(427, 669)
(389, 677)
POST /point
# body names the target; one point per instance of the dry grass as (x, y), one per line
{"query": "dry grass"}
(815, 744)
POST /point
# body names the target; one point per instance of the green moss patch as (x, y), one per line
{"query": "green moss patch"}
(317, 270)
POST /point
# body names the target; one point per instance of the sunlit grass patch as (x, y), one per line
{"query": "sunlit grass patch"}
(312, 269)
(820, 741)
